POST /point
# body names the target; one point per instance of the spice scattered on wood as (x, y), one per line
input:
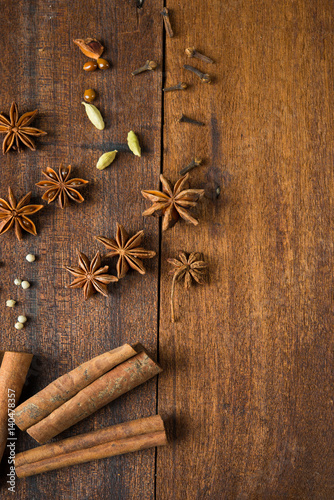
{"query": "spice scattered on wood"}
(13, 371)
(17, 128)
(89, 95)
(128, 250)
(17, 281)
(185, 119)
(10, 303)
(90, 66)
(60, 187)
(106, 159)
(168, 27)
(30, 257)
(19, 326)
(102, 443)
(25, 285)
(103, 63)
(192, 52)
(178, 86)
(121, 379)
(90, 276)
(193, 164)
(94, 115)
(65, 387)
(173, 202)
(133, 143)
(204, 77)
(15, 214)
(90, 47)
(148, 66)
(187, 268)
(22, 319)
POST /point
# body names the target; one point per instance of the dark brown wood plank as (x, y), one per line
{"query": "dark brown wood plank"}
(249, 376)
(41, 68)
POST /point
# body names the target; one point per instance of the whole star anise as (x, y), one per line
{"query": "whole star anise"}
(18, 128)
(61, 186)
(12, 213)
(188, 268)
(173, 203)
(128, 250)
(90, 275)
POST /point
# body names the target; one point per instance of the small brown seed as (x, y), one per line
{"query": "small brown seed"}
(103, 64)
(89, 95)
(90, 66)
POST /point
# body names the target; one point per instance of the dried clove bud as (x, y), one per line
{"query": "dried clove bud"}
(90, 47)
(205, 78)
(192, 52)
(179, 86)
(148, 66)
(186, 119)
(193, 164)
(168, 27)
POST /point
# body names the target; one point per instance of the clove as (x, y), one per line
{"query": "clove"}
(205, 78)
(148, 66)
(165, 16)
(179, 86)
(186, 119)
(192, 52)
(193, 164)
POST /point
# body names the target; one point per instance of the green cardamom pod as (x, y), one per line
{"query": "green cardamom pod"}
(133, 143)
(106, 159)
(94, 115)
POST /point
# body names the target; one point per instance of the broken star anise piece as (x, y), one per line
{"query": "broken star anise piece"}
(61, 186)
(173, 202)
(18, 128)
(128, 250)
(90, 275)
(188, 268)
(15, 214)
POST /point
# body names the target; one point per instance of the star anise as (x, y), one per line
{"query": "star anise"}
(173, 202)
(90, 275)
(12, 213)
(188, 268)
(18, 128)
(61, 186)
(128, 250)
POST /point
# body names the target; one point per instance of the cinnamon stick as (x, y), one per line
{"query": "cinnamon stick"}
(13, 372)
(111, 385)
(65, 387)
(125, 430)
(104, 450)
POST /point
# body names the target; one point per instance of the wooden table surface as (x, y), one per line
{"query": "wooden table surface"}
(247, 387)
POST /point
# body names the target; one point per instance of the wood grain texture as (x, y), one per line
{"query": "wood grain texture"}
(43, 69)
(249, 373)
(248, 379)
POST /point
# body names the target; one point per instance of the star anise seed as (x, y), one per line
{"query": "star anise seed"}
(90, 276)
(12, 213)
(188, 268)
(128, 250)
(61, 186)
(173, 202)
(17, 128)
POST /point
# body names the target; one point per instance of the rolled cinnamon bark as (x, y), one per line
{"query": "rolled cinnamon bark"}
(13, 372)
(104, 450)
(91, 439)
(111, 385)
(65, 387)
